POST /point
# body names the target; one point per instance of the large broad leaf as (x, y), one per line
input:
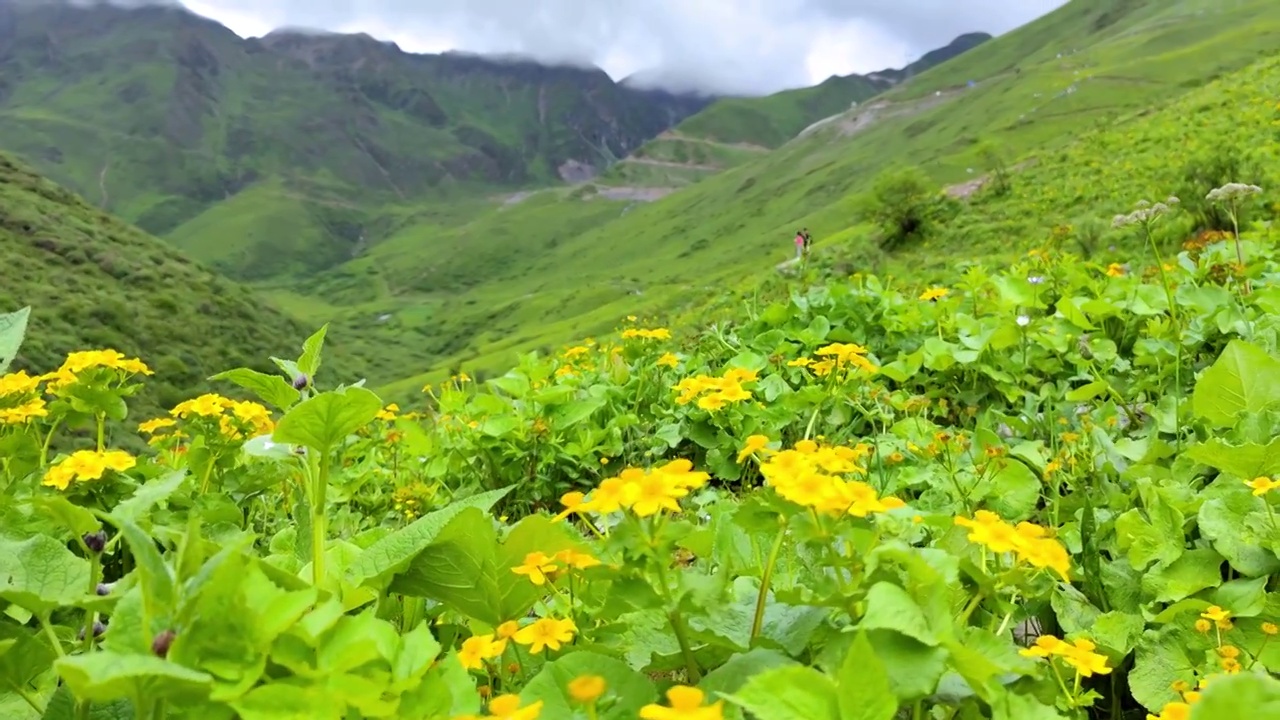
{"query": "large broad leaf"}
(271, 389)
(627, 689)
(467, 569)
(13, 327)
(40, 574)
(889, 607)
(1015, 490)
(1243, 461)
(138, 505)
(1194, 571)
(864, 691)
(392, 554)
(1161, 660)
(789, 693)
(739, 670)
(325, 420)
(1237, 524)
(1243, 379)
(286, 701)
(62, 706)
(104, 676)
(309, 360)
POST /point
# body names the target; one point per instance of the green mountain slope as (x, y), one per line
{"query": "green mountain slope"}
(695, 243)
(160, 116)
(95, 282)
(731, 131)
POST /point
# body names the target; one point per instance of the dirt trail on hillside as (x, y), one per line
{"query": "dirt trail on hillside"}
(674, 135)
(852, 122)
(635, 194)
(668, 163)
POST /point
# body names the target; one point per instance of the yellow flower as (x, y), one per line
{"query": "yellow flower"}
(571, 501)
(586, 689)
(546, 633)
(85, 465)
(1217, 615)
(1115, 270)
(654, 493)
(19, 383)
(507, 707)
(1044, 646)
(576, 560)
(684, 703)
(754, 444)
(150, 427)
(1203, 626)
(800, 362)
(1270, 628)
(669, 360)
(1263, 485)
(207, 405)
(537, 566)
(388, 413)
(478, 648)
(508, 629)
(1173, 711)
(1081, 656)
(934, 293)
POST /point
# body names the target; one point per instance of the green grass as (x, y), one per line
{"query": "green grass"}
(94, 282)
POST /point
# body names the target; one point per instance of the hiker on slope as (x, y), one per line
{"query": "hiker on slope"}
(801, 244)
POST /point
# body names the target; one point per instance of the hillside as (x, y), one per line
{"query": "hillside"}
(161, 116)
(731, 131)
(95, 282)
(718, 234)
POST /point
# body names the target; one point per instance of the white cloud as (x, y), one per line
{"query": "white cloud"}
(723, 45)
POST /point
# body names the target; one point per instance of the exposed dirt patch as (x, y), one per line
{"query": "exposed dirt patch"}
(635, 194)
(669, 164)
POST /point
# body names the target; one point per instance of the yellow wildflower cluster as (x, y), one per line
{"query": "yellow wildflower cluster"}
(236, 418)
(934, 293)
(1029, 542)
(1181, 710)
(838, 356)
(411, 499)
(646, 334)
(478, 648)
(684, 703)
(84, 465)
(1079, 654)
(713, 393)
(809, 474)
(540, 567)
(643, 492)
(78, 363)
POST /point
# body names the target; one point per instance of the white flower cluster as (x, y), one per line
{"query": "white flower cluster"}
(1232, 191)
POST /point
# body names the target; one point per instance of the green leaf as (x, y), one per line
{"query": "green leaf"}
(1244, 598)
(1159, 541)
(1116, 631)
(575, 412)
(105, 676)
(67, 514)
(914, 668)
(1243, 461)
(864, 691)
(1227, 519)
(889, 607)
(271, 389)
(1245, 378)
(1194, 571)
(282, 701)
(790, 693)
(628, 689)
(1160, 660)
(136, 506)
(157, 580)
(1012, 706)
(40, 574)
(392, 554)
(739, 669)
(309, 361)
(62, 706)
(1235, 697)
(13, 328)
(1015, 491)
(324, 421)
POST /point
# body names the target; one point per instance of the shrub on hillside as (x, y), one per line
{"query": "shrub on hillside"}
(1210, 169)
(905, 206)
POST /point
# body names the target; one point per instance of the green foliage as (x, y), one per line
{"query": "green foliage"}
(905, 206)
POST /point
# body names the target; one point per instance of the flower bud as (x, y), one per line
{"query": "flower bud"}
(160, 645)
(96, 541)
(104, 589)
(301, 382)
(99, 627)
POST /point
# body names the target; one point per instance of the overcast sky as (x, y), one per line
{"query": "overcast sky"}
(728, 46)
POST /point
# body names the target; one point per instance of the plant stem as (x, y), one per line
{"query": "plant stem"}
(26, 695)
(677, 625)
(763, 599)
(102, 424)
(53, 637)
(48, 440)
(319, 519)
